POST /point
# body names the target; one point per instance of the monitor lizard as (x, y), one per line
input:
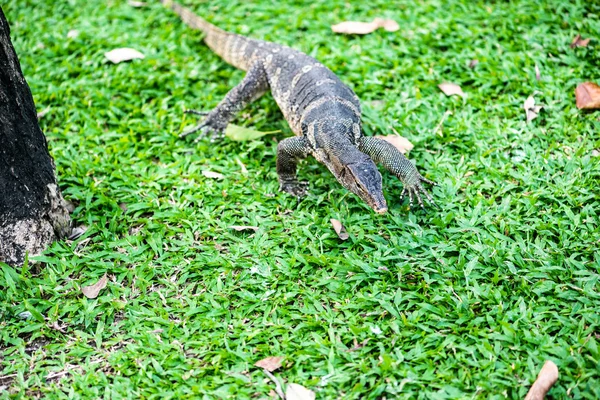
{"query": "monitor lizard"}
(323, 112)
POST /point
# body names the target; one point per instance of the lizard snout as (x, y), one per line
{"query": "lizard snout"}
(378, 204)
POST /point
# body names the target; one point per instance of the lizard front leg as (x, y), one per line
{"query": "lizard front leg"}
(288, 152)
(394, 161)
(253, 86)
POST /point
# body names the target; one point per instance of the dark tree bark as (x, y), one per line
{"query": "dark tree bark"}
(32, 210)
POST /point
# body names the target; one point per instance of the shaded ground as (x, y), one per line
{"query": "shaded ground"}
(464, 302)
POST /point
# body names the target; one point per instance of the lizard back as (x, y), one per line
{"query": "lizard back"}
(303, 88)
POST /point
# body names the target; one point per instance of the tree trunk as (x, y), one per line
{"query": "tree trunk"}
(32, 210)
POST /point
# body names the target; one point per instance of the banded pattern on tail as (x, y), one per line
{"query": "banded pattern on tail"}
(225, 44)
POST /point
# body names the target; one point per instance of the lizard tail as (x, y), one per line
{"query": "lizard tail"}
(191, 19)
(220, 41)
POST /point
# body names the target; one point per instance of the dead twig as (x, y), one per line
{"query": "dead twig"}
(278, 387)
(439, 125)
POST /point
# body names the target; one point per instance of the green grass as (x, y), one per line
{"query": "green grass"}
(470, 299)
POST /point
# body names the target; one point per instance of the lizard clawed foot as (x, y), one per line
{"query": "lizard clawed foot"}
(416, 190)
(196, 112)
(212, 125)
(294, 187)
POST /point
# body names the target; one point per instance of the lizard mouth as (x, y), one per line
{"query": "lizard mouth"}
(380, 210)
(378, 204)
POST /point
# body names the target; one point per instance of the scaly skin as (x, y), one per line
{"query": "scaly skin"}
(324, 114)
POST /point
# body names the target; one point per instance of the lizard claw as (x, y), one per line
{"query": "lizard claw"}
(210, 125)
(416, 190)
(295, 188)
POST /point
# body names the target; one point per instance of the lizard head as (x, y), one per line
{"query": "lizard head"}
(364, 180)
(355, 170)
(359, 174)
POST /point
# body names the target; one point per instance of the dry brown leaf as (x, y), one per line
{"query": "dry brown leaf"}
(587, 96)
(240, 228)
(298, 392)
(579, 42)
(473, 63)
(339, 229)
(213, 175)
(363, 28)
(92, 291)
(123, 54)
(531, 110)
(399, 142)
(270, 363)
(545, 379)
(450, 89)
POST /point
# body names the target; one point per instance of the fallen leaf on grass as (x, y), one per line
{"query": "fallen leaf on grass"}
(123, 54)
(242, 166)
(298, 392)
(579, 42)
(212, 174)
(450, 89)
(388, 25)
(531, 110)
(545, 379)
(92, 291)
(473, 63)
(339, 229)
(363, 28)
(399, 142)
(43, 112)
(270, 363)
(72, 34)
(537, 73)
(595, 153)
(241, 134)
(376, 330)
(77, 232)
(587, 96)
(240, 228)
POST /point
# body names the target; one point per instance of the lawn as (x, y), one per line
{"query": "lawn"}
(467, 301)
